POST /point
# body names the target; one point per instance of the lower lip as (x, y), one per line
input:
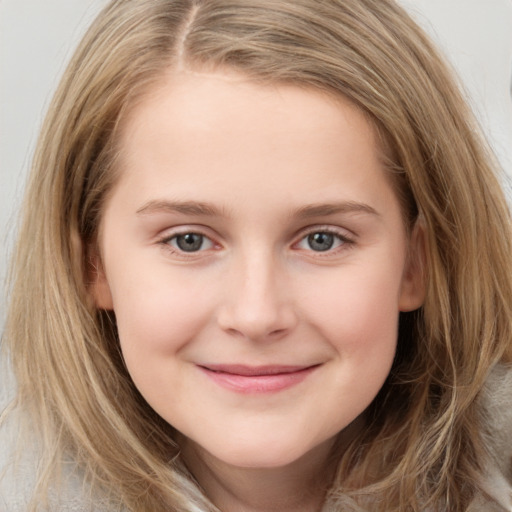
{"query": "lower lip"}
(258, 383)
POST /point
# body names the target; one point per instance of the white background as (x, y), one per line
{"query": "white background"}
(37, 38)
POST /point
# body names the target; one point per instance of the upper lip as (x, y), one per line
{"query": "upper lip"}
(252, 371)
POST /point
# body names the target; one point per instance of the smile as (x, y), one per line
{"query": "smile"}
(257, 379)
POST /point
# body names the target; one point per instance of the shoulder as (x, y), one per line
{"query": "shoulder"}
(496, 415)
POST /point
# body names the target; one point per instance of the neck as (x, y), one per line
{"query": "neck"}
(299, 487)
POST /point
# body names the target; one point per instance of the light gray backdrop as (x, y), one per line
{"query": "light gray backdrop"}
(37, 37)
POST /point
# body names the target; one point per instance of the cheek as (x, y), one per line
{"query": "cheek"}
(157, 319)
(357, 308)
(360, 322)
(158, 313)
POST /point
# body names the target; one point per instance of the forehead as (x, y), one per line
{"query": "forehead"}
(195, 129)
(200, 99)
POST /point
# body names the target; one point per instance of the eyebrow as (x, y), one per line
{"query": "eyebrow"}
(324, 210)
(196, 208)
(184, 207)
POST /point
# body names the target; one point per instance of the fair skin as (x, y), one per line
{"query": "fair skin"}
(254, 253)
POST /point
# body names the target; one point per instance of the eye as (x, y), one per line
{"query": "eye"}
(322, 241)
(190, 242)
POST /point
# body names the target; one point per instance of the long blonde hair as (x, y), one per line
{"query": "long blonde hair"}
(422, 448)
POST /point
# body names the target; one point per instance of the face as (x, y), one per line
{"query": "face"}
(255, 256)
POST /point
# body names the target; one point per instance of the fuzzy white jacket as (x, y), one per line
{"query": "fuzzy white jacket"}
(497, 414)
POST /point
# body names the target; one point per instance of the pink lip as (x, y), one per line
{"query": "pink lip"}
(257, 379)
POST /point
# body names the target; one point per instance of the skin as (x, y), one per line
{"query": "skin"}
(255, 170)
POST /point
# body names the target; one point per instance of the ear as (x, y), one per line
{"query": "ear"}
(413, 287)
(99, 288)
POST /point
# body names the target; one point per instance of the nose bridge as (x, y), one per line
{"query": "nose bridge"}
(257, 305)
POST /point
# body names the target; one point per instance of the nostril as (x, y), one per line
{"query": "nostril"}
(257, 325)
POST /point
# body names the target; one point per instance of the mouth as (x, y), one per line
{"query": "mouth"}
(257, 379)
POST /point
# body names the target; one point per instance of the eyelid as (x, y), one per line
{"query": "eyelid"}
(183, 229)
(172, 233)
(347, 237)
(206, 242)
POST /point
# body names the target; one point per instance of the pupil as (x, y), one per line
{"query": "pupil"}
(321, 241)
(189, 242)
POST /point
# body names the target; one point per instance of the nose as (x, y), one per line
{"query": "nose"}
(258, 302)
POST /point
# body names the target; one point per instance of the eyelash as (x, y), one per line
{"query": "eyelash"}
(344, 242)
(166, 243)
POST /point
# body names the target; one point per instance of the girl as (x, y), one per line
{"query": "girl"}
(264, 265)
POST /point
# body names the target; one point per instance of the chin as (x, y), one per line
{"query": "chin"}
(268, 454)
(266, 458)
